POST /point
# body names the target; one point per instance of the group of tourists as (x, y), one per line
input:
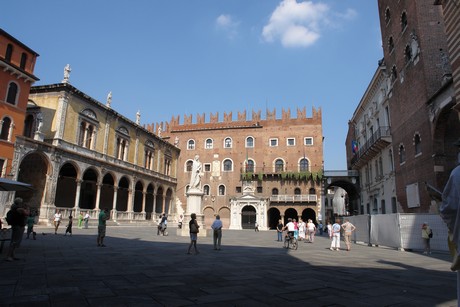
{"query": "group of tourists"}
(306, 231)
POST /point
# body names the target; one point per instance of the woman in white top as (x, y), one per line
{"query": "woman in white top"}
(302, 229)
(311, 228)
(57, 220)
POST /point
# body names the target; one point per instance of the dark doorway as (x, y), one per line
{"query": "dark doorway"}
(248, 217)
(273, 217)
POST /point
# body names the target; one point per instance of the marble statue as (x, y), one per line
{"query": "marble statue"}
(67, 71)
(109, 99)
(195, 179)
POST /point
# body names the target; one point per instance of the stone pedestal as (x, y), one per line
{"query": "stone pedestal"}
(39, 136)
(194, 200)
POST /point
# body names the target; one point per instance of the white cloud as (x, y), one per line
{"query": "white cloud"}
(227, 24)
(295, 24)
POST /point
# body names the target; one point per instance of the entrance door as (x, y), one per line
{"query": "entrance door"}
(248, 217)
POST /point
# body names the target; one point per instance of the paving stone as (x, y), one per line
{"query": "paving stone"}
(138, 268)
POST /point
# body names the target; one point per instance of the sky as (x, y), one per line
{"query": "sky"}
(175, 58)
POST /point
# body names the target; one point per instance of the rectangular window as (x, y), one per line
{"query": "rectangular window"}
(290, 142)
(273, 142)
(259, 189)
(238, 189)
(207, 167)
(308, 141)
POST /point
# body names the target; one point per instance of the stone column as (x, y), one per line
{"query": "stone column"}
(130, 203)
(77, 196)
(114, 206)
(98, 196)
(144, 195)
(61, 117)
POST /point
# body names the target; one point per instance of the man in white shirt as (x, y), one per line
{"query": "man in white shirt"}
(335, 244)
(290, 227)
(217, 232)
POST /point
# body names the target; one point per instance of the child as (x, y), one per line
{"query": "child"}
(30, 226)
(69, 226)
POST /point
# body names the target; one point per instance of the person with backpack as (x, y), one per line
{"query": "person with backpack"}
(16, 218)
(427, 234)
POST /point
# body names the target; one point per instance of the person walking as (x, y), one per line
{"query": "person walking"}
(194, 229)
(16, 218)
(256, 227)
(302, 229)
(30, 227)
(279, 230)
(311, 229)
(57, 220)
(348, 229)
(217, 232)
(102, 226)
(69, 226)
(296, 228)
(329, 229)
(335, 243)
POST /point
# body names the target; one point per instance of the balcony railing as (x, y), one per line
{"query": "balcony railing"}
(372, 147)
(294, 198)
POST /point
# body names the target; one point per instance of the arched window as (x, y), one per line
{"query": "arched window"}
(297, 191)
(221, 190)
(228, 165)
(23, 60)
(403, 21)
(274, 191)
(391, 44)
(190, 145)
(228, 143)
(417, 144)
(387, 15)
(402, 154)
(303, 165)
(189, 166)
(250, 166)
(149, 155)
(29, 126)
(279, 165)
(407, 54)
(206, 189)
(9, 52)
(5, 132)
(312, 191)
(12, 94)
(208, 144)
(250, 142)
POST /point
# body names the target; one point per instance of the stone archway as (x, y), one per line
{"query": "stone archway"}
(290, 213)
(248, 217)
(209, 216)
(88, 190)
(37, 168)
(274, 216)
(138, 197)
(224, 214)
(107, 192)
(122, 194)
(159, 201)
(66, 186)
(309, 214)
(149, 202)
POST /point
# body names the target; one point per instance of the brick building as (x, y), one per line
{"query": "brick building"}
(17, 62)
(254, 170)
(420, 98)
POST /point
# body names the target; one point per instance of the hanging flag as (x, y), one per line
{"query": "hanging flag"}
(354, 146)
